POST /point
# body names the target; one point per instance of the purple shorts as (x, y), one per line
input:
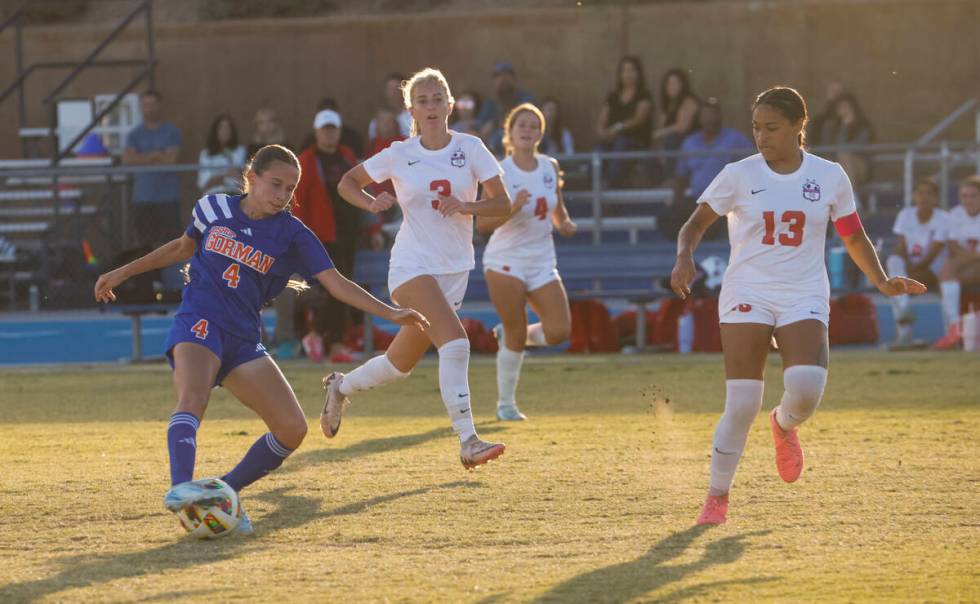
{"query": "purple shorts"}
(231, 349)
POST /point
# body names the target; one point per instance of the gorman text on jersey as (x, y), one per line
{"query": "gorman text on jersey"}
(223, 242)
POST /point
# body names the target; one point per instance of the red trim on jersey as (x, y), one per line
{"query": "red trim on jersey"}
(848, 225)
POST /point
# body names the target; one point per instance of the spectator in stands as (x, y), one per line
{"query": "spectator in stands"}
(156, 195)
(694, 173)
(678, 113)
(388, 133)
(349, 137)
(852, 128)
(335, 223)
(626, 119)
(557, 139)
(922, 233)
(223, 158)
(465, 110)
(267, 130)
(821, 128)
(506, 95)
(963, 265)
(393, 100)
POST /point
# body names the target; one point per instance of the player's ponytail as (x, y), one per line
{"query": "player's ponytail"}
(789, 103)
(429, 74)
(509, 123)
(265, 157)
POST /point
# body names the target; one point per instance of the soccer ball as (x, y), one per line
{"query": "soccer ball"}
(214, 516)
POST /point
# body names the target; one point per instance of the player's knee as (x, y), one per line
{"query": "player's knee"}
(556, 334)
(455, 349)
(804, 388)
(743, 400)
(292, 432)
(192, 402)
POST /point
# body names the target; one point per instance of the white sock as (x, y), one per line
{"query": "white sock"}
(371, 374)
(454, 365)
(896, 267)
(804, 387)
(743, 399)
(508, 372)
(535, 335)
(950, 291)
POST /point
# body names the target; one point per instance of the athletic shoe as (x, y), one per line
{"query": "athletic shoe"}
(951, 341)
(333, 406)
(510, 413)
(715, 510)
(475, 452)
(245, 524)
(789, 453)
(182, 495)
(313, 346)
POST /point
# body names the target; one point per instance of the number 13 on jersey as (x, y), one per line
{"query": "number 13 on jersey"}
(794, 237)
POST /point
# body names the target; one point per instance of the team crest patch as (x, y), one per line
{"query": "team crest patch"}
(223, 231)
(811, 190)
(549, 181)
(458, 158)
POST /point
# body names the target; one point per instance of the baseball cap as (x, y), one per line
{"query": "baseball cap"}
(327, 117)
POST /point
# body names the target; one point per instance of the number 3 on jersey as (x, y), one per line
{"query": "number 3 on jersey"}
(541, 208)
(796, 221)
(231, 275)
(441, 187)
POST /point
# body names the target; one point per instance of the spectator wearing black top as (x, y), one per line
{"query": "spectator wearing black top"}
(678, 114)
(821, 128)
(625, 119)
(557, 138)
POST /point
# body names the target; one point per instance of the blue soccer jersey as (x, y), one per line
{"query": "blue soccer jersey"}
(241, 264)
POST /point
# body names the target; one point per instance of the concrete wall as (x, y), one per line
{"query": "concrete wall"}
(910, 62)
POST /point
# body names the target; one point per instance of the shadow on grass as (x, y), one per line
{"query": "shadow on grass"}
(291, 511)
(629, 580)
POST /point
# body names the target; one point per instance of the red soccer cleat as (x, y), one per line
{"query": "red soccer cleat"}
(715, 510)
(951, 341)
(789, 453)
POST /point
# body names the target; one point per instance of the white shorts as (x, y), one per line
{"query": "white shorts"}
(532, 276)
(453, 285)
(739, 305)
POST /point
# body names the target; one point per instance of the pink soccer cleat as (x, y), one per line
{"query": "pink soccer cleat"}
(715, 510)
(789, 453)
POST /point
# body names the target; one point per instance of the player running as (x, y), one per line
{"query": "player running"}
(436, 174)
(778, 203)
(243, 250)
(519, 261)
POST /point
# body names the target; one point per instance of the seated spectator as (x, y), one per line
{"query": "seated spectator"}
(557, 138)
(922, 233)
(266, 131)
(506, 95)
(695, 172)
(678, 114)
(349, 137)
(625, 120)
(963, 265)
(395, 101)
(222, 159)
(465, 110)
(821, 128)
(852, 128)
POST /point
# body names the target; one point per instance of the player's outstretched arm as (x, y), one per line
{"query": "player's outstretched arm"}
(350, 293)
(863, 253)
(172, 252)
(687, 241)
(351, 188)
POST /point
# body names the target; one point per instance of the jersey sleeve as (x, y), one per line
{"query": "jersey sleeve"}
(722, 193)
(195, 230)
(378, 167)
(843, 203)
(310, 257)
(485, 165)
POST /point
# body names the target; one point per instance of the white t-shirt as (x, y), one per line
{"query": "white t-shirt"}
(919, 237)
(526, 238)
(964, 229)
(777, 223)
(426, 240)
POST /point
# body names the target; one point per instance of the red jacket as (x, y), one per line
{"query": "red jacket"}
(313, 203)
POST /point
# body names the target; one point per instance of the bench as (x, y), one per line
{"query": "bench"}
(135, 312)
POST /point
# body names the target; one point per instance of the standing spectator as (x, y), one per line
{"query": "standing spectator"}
(506, 95)
(349, 137)
(223, 157)
(695, 172)
(465, 110)
(678, 115)
(156, 195)
(625, 119)
(822, 127)
(393, 100)
(267, 130)
(852, 128)
(335, 223)
(557, 139)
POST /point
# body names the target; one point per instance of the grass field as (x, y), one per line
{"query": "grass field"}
(594, 500)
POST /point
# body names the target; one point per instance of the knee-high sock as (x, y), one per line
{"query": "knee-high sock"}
(535, 335)
(182, 444)
(264, 456)
(454, 385)
(743, 399)
(950, 292)
(373, 373)
(804, 387)
(508, 373)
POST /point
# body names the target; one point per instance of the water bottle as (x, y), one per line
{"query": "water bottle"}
(685, 333)
(971, 330)
(33, 297)
(837, 270)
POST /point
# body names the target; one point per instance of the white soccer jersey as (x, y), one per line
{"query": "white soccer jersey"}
(526, 238)
(919, 237)
(777, 223)
(426, 239)
(964, 229)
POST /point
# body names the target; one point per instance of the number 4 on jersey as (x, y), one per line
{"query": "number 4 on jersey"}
(231, 275)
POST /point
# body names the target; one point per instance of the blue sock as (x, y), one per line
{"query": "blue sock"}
(182, 443)
(266, 455)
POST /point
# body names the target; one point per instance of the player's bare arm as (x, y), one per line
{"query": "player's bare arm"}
(351, 293)
(687, 241)
(168, 254)
(560, 217)
(863, 253)
(351, 188)
(486, 224)
(496, 202)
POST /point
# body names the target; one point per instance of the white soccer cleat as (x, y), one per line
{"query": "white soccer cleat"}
(510, 413)
(245, 524)
(333, 406)
(184, 494)
(475, 452)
